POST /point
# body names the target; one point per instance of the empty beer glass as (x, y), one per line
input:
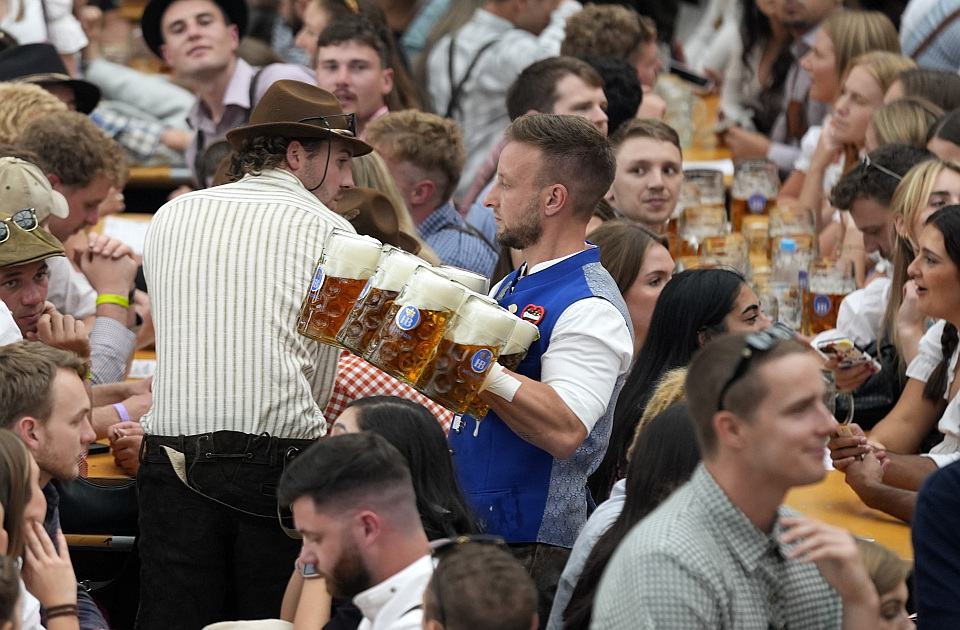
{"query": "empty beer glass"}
(347, 262)
(395, 268)
(414, 324)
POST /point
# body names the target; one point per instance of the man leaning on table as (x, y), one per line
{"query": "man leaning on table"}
(237, 391)
(722, 551)
(198, 39)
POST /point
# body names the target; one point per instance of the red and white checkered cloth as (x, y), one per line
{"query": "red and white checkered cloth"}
(358, 379)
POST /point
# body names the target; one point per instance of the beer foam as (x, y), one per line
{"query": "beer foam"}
(395, 269)
(432, 291)
(348, 255)
(523, 336)
(482, 322)
(469, 279)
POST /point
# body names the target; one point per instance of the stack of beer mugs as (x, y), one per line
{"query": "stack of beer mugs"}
(432, 328)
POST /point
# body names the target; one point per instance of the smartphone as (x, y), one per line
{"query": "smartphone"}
(689, 75)
(848, 355)
(97, 448)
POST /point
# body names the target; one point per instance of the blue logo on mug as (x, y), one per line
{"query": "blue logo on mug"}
(821, 304)
(317, 280)
(481, 360)
(408, 317)
(756, 202)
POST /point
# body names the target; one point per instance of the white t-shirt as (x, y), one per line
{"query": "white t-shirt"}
(9, 331)
(921, 368)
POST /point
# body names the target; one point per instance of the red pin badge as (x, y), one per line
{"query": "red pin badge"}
(533, 314)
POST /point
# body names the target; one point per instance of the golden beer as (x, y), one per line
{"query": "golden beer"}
(393, 271)
(365, 319)
(347, 262)
(820, 311)
(756, 204)
(324, 310)
(456, 374)
(407, 341)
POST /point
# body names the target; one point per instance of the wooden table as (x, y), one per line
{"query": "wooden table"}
(833, 501)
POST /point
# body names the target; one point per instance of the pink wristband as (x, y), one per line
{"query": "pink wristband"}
(122, 412)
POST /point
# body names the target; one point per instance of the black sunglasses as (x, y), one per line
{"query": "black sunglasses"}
(754, 343)
(25, 219)
(442, 548)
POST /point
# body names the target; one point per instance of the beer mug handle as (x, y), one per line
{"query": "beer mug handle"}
(844, 430)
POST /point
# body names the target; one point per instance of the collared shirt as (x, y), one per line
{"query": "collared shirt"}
(237, 103)
(698, 562)
(9, 331)
(397, 602)
(785, 150)
(482, 111)
(358, 379)
(228, 268)
(448, 235)
(140, 137)
(381, 111)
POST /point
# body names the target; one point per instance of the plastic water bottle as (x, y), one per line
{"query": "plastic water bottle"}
(785, 284)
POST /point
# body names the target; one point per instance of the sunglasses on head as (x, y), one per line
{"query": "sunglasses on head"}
(754, 343)
(25, 219)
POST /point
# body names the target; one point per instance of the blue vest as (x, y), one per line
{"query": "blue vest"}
(517, 490)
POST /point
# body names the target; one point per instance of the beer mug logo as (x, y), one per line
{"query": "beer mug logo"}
(317, 280)
(756, 203)
(408, 317)
(366, 289)
(821, 305)
(481, 360)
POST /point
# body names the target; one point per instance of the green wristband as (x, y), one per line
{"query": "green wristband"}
(110, 298)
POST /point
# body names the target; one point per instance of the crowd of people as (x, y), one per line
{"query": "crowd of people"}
(631, 471)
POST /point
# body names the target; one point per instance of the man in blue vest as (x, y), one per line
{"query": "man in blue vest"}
(525, 466)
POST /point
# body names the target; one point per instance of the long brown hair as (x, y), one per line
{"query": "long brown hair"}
(15, 490)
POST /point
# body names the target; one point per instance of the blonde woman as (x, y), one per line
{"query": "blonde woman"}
(908, 120)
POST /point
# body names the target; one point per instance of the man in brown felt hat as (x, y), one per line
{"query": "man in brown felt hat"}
(237, 391)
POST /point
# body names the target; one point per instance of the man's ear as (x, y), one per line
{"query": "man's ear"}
(27, 428)
(55, 182)
(422, 192)
(386, 81)
(295, 155)
(728, 428)
(367, 527)
(556, 199)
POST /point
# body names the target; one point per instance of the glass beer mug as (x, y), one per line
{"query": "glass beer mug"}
(755, 187)
(414, 324)
(347, 262)
(395, 268)
(513, 353)
(469, 347)
(472, 280)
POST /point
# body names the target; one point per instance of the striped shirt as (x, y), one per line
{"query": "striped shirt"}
(227, 269)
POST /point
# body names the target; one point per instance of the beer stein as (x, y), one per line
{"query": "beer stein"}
(828, 282)
(699, 223)
(513, 353)
(395, 268)
(727, 250)
(709, 184)
(755, 187)
(347, 262)
(472, 280)
(469, 347)
(414, 324)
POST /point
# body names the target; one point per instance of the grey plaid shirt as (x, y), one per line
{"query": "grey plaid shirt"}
(697, 562)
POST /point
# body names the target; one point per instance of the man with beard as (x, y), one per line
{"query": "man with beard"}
(354, 504)
(524, 468)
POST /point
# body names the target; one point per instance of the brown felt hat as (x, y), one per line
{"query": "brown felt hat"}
(294, 109)
(372, 213)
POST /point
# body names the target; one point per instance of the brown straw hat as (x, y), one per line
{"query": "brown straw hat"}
(373, 214)
(294, 109)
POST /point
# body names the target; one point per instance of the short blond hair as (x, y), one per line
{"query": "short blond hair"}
(431, 143)
(21, 104)
(70, 146)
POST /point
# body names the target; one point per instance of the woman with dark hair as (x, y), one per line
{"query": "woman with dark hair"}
(48, 576)
(418, 436)
(663, 458)
(695, 306)
(944, 141)
(940, 87)
(930, 394)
